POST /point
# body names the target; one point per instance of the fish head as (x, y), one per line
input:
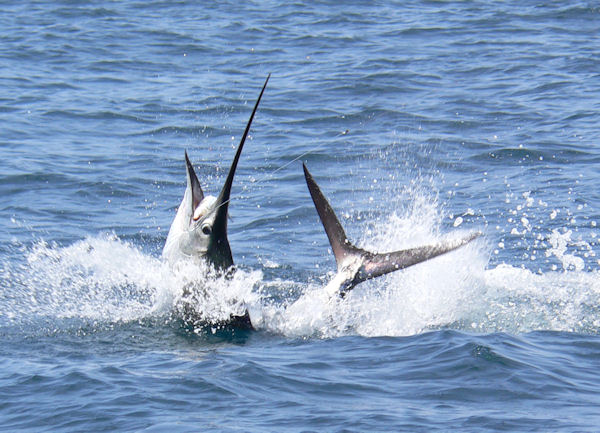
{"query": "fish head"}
(199, 230)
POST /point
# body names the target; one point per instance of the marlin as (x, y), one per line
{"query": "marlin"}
(199, 230)
(355, 265)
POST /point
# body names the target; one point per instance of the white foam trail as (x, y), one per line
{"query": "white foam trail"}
(518, 300)
(454, 290)
(212, 298)
(96, 278)
(105, 279)
(431, 294)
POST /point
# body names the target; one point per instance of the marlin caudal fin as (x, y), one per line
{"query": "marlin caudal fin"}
(375, 265)
(219, 243)
(356, 265)
(341, 246)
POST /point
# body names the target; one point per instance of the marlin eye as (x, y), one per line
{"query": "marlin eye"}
(206, 229)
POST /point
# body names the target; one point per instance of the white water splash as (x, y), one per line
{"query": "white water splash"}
(518, 300)
(559, 243)
(105, 279)
(431, 294)
(454, 290)
(96, 278)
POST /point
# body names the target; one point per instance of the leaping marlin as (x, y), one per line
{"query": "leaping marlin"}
(199, 229)
(355, 265)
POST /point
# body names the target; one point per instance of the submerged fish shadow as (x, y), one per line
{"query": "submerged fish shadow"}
(237, 330)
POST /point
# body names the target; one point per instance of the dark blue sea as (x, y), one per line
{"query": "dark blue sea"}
(420, 121)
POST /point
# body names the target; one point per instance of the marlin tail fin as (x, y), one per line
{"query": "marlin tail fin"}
(340, 244)
(371, 265)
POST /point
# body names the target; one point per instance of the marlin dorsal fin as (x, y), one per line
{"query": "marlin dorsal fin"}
(340, 244)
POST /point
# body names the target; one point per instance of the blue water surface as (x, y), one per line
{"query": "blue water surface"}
(420, 120)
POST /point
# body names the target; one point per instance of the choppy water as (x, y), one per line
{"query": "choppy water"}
(419, 120)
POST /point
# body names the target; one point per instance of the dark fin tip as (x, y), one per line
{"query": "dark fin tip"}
(340, 244)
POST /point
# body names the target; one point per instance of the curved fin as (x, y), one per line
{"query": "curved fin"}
(219, 230)
(371, 265)
(193, 184)
(223, 199)
(375, 265)
(340, 244)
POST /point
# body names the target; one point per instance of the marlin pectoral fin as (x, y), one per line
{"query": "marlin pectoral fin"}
(219, 230)
(375, 265)
(340, 244)
(223, 199)
(193, 184)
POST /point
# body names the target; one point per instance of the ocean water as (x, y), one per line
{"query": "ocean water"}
(420, 121)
